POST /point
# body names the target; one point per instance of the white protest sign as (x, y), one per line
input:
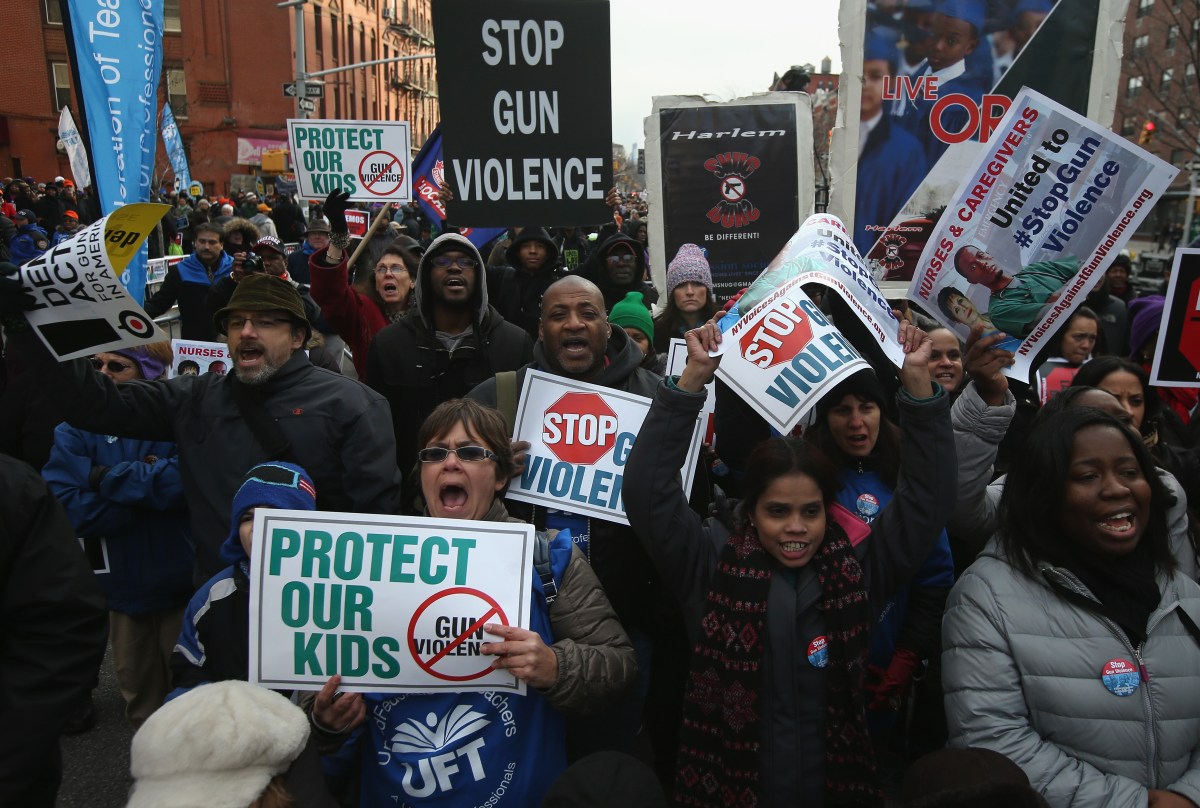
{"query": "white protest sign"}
(81, 306)
(580, 435)
(1034, 225)
(193, 358)
(822, 251)
(392, 604)
(372, 160)
(782, 355)
(676, 362)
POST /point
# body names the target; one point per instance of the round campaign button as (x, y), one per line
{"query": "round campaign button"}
(818, 652)
(868, 505)
(1120, 677)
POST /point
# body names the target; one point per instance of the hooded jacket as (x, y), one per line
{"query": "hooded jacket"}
(596, 271)
(1056, 688)
(415, 371)
(620, 563)
(188, 283)
(517, 294)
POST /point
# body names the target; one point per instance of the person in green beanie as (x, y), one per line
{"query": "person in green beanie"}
(631, 314)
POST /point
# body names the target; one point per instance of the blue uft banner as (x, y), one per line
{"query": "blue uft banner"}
(174, 144)
(427, 175)
(117, 47)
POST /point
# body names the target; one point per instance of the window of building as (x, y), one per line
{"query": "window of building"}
(1144, 7)
(350, 44)
(171, 16)
(1140, 44)
(177, 92)
(334, 33)
(53, 12)
(1172, 36)
(62, 85)
(1133, 86)
(1189, 76)
(1129, 126)
(1168, 76)
(318, 30)
(362, 46)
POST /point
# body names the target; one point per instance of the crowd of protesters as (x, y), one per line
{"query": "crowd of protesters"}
(947, 588)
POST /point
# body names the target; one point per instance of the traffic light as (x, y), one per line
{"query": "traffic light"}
(641, 161)
(1147, 136)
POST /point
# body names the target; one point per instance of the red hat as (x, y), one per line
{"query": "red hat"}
(70, 214)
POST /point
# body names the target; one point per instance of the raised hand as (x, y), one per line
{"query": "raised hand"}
(985, 363)
(918, 349)
(335, 211)
(700, 367)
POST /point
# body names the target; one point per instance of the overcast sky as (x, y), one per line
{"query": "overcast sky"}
(715, 47)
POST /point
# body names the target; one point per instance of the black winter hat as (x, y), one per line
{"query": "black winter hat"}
(532, 233)
(864, 384)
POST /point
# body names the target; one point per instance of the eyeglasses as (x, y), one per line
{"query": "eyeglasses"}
(468, 454)
(445, 262)
(113, 366)
(236, 323)
(620, 258)
(393, 269)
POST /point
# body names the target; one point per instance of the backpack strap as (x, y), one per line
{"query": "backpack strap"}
(266, 429)
(506, 398)
(541, 565)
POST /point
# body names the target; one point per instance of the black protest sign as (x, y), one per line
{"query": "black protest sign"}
(526, 104)
(730, 185)
(1177, 359)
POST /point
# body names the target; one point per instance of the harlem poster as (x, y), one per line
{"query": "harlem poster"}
(734, 178)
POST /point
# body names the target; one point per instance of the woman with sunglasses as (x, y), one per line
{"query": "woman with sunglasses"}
(574, 657)
(125, 498)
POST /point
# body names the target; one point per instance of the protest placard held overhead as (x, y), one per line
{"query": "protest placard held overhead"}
(1177, 355)
(1034, 224)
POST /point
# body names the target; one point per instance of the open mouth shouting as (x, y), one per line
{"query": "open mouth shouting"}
(1120, 524)
(454, 501)
(250, 356)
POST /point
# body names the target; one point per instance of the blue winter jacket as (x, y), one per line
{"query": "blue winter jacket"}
(24, 245)
(135, 511)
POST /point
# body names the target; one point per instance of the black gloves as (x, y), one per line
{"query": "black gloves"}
(335, 211)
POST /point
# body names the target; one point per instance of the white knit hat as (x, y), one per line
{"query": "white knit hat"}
(217, 746)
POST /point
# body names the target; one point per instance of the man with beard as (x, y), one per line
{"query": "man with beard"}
(450, 341)
(189, 281)
(275, 404)
(577, 342)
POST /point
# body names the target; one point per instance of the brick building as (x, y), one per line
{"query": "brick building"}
(1158, 89)
(224, 66)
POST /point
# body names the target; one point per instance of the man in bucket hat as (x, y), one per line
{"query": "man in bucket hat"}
(273, 405)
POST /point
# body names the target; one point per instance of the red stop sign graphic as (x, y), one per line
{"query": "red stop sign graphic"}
(778, 337)
(579, 428)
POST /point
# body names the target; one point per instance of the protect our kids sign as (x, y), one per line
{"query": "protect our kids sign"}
(580, 436)
(393, 604)
(369, 159)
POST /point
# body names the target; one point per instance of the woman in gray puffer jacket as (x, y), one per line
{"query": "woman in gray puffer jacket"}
(1073, 643)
